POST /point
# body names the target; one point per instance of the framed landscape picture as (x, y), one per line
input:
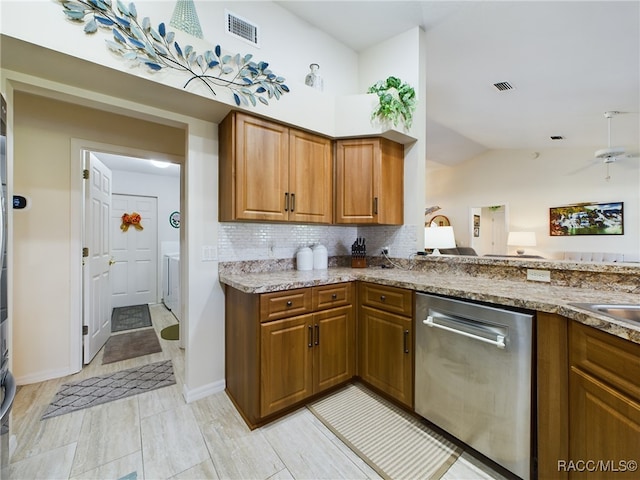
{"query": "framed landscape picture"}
(587, 219)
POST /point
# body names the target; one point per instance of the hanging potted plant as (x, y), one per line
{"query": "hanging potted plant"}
(397, 101)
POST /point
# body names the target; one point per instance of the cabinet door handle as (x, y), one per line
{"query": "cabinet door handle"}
(310, 344)
(286, 201)
(293, 202)
(406, 341)
(375, 205)
(289, 303)
(317, 334)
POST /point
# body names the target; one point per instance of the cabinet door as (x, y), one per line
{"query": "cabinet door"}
(386, 360)
(334, 349)
(390, 203)
(357, 171)
(310, 178)
(286, 356)
(262, 169)
(604, 429)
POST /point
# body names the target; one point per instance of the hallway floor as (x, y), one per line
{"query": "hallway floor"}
(156, 435)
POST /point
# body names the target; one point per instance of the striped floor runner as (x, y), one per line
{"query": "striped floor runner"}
(392, 442)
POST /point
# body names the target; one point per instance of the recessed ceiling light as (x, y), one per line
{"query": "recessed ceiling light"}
(557, 137)
(159, 164)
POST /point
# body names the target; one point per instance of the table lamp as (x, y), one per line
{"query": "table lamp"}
(439, 237)
(521, 239)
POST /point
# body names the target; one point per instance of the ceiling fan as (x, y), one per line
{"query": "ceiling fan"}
(611, 154)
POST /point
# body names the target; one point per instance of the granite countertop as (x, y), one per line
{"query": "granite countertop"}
(523, 294)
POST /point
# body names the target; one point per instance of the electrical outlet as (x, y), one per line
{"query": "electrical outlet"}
(538, 275)
(385, 250)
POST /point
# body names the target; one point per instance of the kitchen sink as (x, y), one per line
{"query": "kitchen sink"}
(629, 312)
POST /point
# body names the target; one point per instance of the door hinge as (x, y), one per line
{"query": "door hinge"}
(85, 252)
(85, 174)
(85, 329)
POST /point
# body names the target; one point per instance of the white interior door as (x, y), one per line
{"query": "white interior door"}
(96, 270)
(134, 275)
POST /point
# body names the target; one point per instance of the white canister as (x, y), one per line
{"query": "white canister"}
(304, 259)
(320, 257)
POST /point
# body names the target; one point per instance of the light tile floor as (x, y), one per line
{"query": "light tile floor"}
(159, 436)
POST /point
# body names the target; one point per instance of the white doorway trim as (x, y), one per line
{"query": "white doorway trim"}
(76, 230)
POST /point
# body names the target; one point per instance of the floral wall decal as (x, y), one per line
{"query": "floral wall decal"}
(156, 48)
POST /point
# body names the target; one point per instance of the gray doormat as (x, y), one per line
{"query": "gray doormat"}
(128, 318)
(124, 346)
(114, 386)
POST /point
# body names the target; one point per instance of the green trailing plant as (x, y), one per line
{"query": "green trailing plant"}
(397, 101)
(156, 48)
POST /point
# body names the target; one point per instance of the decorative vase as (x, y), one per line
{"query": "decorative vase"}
(313, 78)
(185, 18)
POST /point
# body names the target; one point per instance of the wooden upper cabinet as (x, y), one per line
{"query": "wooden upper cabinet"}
(369, 181)
(269, 172)
(310, 178)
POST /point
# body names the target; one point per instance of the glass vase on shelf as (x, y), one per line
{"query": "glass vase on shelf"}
(313, 78)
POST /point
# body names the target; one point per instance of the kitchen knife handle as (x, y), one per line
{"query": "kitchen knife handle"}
(375, 205)
(286, 201)
(293, 202)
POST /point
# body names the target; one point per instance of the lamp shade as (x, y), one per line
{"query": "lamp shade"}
(521, 239)
(439, 237)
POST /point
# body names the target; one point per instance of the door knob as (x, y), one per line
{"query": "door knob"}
(111, 261)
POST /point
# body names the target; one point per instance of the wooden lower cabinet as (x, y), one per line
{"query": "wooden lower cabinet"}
(552, 385)
(604, 392)
(305, 355)
(286, 362)
(334, 350)
(274, 363)
(605, 429)
(588, 402)
(386, 341)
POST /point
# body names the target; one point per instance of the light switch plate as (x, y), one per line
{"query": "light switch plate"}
(209, 253)
(538, 275)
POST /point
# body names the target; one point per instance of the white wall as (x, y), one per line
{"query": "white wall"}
(289, 45)
(167, 190)
(530, 186)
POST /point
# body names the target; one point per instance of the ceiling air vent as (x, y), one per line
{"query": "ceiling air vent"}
(502, 86)
(241, 28)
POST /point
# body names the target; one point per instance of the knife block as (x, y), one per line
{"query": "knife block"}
(358, 262)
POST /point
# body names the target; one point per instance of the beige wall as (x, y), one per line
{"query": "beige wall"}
(43, 129)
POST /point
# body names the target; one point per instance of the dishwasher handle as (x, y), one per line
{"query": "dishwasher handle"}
(498, 342)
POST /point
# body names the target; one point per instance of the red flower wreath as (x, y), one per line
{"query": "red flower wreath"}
(131, 219)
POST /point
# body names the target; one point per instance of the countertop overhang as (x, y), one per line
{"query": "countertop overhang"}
(530, 295)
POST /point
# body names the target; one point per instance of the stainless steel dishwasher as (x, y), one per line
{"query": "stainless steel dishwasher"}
(473, 376)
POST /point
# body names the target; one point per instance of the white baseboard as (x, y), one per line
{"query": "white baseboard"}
(191, 395)
(44, 376)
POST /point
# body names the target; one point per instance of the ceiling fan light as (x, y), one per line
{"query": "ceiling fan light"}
(609, 152)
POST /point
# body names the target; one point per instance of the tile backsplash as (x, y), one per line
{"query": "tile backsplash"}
(262, 241)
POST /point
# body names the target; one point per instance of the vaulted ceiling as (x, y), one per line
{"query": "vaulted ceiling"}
(568, 62)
